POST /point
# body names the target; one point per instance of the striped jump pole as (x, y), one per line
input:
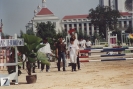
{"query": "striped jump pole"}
(84, 58)
(111, 59)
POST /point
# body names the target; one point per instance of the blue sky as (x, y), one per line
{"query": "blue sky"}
(17, 13)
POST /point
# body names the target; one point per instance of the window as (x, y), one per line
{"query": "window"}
(75, 25)
(79, 19)
(65, 26)
(79, 25)
(84, 25)
(120, 25)
(124, 17)
(84, 19)
(70, 26)
(74, 20)
(85, 30)
(130, 23)
(125, 24)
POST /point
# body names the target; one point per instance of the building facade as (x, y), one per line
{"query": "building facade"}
(121, 5)
(43, 14)
(81, 22)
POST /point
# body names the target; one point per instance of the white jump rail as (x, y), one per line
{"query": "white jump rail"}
(8, 64)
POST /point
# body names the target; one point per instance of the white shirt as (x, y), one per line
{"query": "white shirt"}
(88, 43)
(76, 42)
(82, 43)
(72, 48)
(46, 48)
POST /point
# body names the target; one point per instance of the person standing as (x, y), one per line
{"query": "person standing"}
(82, 43)
(76, 42)
(61, 53)
(47, 50)
(73, 52)
(88, 45)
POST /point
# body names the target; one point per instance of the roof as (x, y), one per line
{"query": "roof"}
(85, 16)
(44, 11)
(75, 16)
(125, 13)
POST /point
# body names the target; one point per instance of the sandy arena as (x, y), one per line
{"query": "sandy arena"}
(93, 75)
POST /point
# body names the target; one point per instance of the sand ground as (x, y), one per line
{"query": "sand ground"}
(93, 75)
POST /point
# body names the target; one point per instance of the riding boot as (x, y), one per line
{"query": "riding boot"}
(58, 64)
(74, 66)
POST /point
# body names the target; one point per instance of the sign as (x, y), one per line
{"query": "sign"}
(5, 81)
(11, 42)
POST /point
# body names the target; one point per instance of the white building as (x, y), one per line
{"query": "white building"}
(121, 5)
(81, 22)
(43, 14)
(125, 7)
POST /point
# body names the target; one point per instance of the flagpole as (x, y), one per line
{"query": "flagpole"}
(1, 29)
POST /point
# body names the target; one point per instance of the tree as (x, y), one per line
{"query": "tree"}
(129, 29)
(46, 30)
(80, 34)
(104, 18)
(29, 31)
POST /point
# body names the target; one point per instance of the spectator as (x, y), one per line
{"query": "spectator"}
(47, 50)
(60, 53)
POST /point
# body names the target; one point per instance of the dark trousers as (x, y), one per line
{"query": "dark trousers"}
(61, 55)
(78, 62)
(42, 67)
(73, 65)
(33, 68)
(89, 48)
(47, 67)
(38, 64)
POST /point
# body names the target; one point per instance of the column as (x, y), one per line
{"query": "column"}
(34, 28)
(68, 27)
(127, 23)
(77, 27)
(92, 29)
(72, 25)
(63, 26)
(122, 23)
(87, 26)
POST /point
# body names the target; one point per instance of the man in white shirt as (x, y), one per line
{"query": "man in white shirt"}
(88, 45)
(47, 50)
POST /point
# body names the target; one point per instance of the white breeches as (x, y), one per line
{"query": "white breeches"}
(73, 58)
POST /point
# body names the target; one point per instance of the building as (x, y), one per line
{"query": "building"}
(121, 5)
(81, 22)
(43, 14)
(78, 22)
(125, 7)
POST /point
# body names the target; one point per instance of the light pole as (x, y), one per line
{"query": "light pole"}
(132, 16)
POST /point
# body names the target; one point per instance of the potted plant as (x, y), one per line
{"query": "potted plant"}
(30, 49)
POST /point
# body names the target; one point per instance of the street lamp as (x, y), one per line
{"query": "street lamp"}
(132, 16)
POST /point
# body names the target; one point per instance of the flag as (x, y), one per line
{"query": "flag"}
(0, 29)
(1, 26)
(71, 31)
